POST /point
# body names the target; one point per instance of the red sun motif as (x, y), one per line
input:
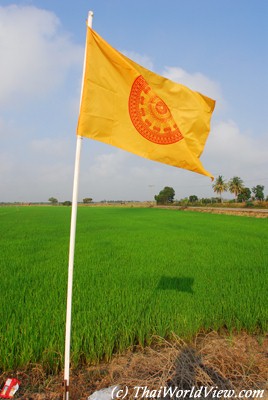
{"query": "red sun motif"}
(150, 115)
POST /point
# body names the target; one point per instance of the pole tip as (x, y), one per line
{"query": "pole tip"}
(90, 18)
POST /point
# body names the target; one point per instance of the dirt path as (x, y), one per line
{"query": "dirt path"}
(248, 212)
(252, 212)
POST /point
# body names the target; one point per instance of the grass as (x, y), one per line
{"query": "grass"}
(138, 272)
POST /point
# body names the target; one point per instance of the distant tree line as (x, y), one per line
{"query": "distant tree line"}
(236, 186)
(54, 202)
(166, 196)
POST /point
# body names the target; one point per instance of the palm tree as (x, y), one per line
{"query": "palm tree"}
(235, 186)
(220, 186)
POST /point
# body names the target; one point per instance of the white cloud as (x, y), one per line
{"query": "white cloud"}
(234, 153)
(35, 54)
(6, 166)
(55, 147)
(109, 165)
(39, 72)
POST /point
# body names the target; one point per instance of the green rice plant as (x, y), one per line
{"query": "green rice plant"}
(138, 273)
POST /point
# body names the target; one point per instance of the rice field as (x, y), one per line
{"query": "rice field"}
(138, 273)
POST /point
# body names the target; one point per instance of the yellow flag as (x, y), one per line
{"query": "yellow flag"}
(130, 107)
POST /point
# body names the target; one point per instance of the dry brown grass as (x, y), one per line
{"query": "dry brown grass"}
(226, 362)
(244, 213)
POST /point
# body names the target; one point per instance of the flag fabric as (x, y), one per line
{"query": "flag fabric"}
(126, 105)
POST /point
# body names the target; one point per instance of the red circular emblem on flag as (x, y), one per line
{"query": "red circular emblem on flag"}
(150, 115)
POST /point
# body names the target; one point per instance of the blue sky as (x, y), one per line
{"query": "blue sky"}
(217, 47)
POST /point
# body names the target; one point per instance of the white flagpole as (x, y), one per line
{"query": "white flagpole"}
(72, 247)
